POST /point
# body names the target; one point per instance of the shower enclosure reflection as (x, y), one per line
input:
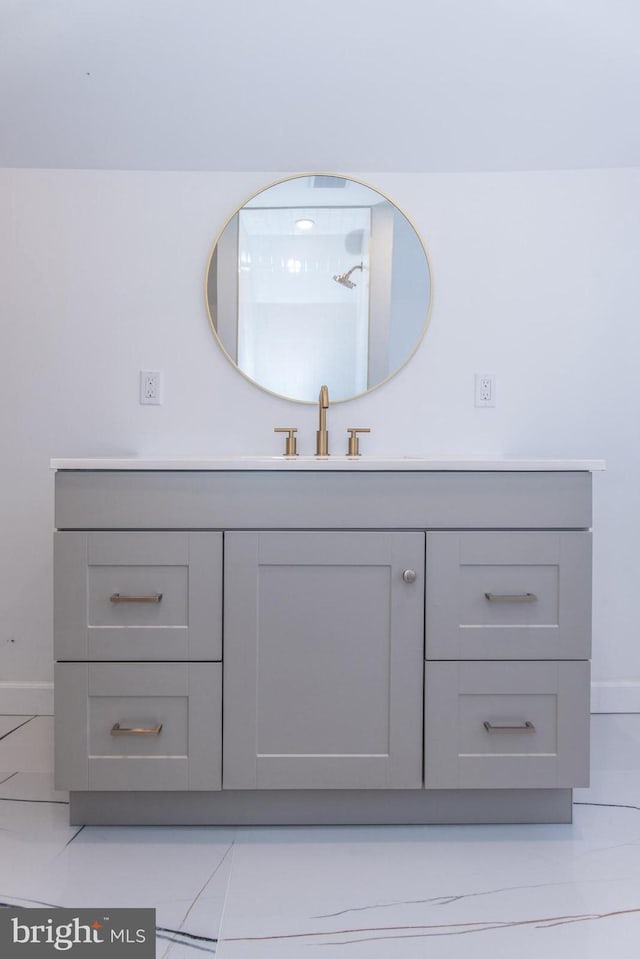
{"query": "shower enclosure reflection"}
(276, 310)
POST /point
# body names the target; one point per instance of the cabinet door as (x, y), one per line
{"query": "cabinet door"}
(138, 726)
(508, 595)
(323, 683)
(137, 596)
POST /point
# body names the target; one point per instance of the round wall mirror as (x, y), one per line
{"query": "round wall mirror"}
(318, 280)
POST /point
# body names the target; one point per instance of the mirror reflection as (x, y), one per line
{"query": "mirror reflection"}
(318, 279)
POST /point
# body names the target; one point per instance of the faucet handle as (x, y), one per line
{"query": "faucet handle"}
(290, 443)
(354, 443)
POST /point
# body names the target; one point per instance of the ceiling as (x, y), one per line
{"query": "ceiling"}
(344, 85)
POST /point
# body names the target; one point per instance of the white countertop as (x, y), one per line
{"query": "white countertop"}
(415, 463)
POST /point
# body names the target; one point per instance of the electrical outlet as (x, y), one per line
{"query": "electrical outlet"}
(151, 387)
(485, 389)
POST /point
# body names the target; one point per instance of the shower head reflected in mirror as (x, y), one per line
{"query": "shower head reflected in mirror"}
(343, 278)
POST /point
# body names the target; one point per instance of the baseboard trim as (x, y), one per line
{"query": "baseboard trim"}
(616, 696)
(26, 699)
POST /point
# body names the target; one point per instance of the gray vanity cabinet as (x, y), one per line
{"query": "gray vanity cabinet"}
(331, 645)
(323, 660)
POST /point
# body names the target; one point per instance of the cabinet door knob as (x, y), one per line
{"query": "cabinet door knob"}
(409, 575)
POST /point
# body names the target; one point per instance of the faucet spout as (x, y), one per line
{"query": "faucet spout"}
(322, 436)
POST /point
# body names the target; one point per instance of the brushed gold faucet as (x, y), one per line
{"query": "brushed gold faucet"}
(322, 436)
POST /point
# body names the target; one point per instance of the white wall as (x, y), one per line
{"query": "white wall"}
(101, 274)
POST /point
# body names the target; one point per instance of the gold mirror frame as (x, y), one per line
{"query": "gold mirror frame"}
(343, 277)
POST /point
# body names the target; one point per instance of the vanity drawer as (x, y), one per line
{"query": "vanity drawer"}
(138, 726)
(506, 725)
(138, 596)
(508, 595)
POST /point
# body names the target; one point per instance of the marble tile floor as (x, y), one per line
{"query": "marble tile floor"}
(404, 892)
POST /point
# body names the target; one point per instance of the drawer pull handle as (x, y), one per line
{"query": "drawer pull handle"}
(119, 598)
(118, 730)
(511, 597)
(526, 727)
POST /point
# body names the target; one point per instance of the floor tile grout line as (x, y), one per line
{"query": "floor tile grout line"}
(77, 833)
(181, 942)
(175, 937)
(16, 728)
(51, 802)
(226, 892)
(32, 903)
(204, 886)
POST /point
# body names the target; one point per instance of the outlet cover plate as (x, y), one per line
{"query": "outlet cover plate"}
(151, 387)
(485, 389)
